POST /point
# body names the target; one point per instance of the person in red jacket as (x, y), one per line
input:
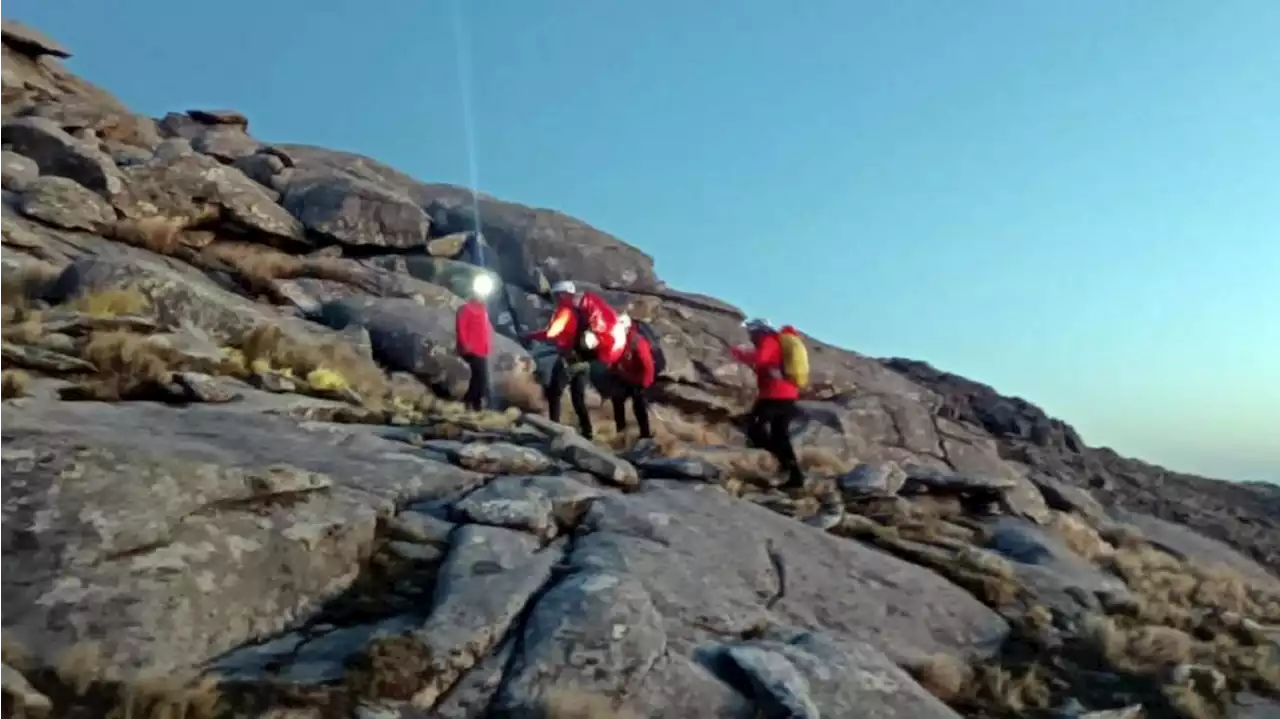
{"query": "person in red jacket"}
(474, 340)
(634, 373)
(769, 422)
(583, 326)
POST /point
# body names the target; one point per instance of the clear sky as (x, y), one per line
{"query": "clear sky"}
(1077, 202)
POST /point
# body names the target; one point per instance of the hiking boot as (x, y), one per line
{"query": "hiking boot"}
(795, 479)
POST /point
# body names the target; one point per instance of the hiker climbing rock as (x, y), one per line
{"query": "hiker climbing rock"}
(781, 364)
(583, 327)
(474, 340)
(632, 375)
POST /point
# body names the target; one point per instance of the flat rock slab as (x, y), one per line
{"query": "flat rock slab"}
(677, 468)
(596, 632)
(884, 478)
(1060, 579)
(502, 458)
(708, 563)
(591, 459)
(165, 561)
(489, 576)
(57, 152)
(356, 212)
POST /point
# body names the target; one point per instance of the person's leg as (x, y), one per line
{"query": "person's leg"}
(480, 377)
(555, 389)
(640, 406)
(578, 396)
(619, 412)
(780, 440)
(473, 384)
(757, 430)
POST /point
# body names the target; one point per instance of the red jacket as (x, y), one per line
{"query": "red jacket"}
(766, 359)
(635, 366)
(599, 317)
(475, 334)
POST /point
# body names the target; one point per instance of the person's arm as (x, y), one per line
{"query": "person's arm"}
(744, 355)
(460, 330)
(559, 322)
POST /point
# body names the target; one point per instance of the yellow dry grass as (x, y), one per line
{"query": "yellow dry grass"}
(14, 383)
(88, 681)
(27, 283)
(990, 686)
(111, 302)
(159, 234)
(258, 266)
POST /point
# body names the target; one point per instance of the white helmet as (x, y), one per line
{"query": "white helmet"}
(565, 287)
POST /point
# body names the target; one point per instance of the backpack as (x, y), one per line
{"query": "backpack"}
(655, 345)
(795, 358)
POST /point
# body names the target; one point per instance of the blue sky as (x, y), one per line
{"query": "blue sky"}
(1076, 202)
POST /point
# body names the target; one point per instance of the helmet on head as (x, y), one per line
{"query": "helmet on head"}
(757, 324)
(564, 287)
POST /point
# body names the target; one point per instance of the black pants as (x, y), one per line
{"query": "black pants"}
(769, 428)
(639, 406)
(478, 388)
(577, 395)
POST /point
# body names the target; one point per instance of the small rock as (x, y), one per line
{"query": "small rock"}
(273, 382)
(1062, 497)
(502, 458)
(173, 148)
(504, 504)
(199, 387)
(220, 117)
(873, 478)
(128, 155)
(419, 527)
(260, 167)
(44, 360)
(776, 681)
(18, 171)
(593, 460)
(227, 144)
(62, 202)
(544, 425)
(414, 552)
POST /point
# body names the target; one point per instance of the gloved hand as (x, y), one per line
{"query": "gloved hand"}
(590, 340)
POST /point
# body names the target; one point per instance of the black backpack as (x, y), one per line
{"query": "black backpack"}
(655, 344)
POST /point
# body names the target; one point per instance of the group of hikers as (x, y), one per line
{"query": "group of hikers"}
(623, 357)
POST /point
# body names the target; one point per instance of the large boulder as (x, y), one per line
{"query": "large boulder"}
(57, 152)
(64, 203)
(198, 189)
(355, 212)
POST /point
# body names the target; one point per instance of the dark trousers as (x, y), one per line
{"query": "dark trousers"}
(577, 395)
(478, 388)
(639, 407)
(769, 428)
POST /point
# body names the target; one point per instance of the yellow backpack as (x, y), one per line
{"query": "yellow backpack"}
(795, 358)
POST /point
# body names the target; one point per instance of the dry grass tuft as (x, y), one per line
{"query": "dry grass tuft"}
(81, 665)
(167, 698)
(162, 235)
(14, 383)
(521, 390)
(1190, 704)
(1146, 650)
(945, 676)
(129, 367)
(258, 266)
(989, 686)
(111, 302)
(392, 667)
(267, 348)
(823, 461)
(575, 704)
(1080, 537)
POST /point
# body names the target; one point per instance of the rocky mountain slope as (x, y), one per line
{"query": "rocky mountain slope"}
(235, 483)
